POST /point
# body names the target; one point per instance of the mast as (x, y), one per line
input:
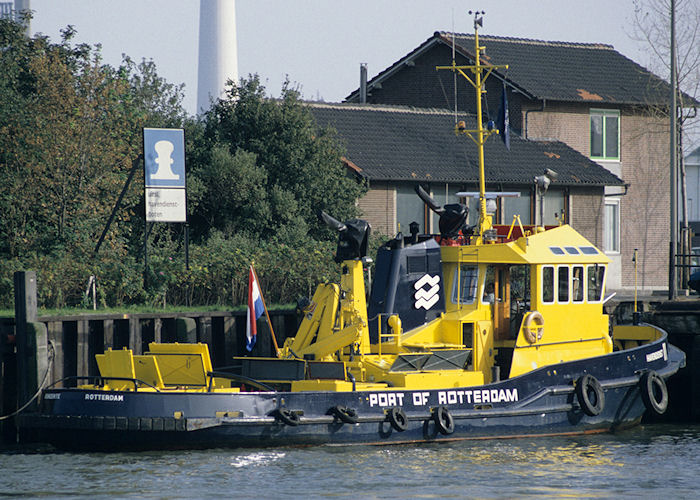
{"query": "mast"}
(479, 135)
(673, 113)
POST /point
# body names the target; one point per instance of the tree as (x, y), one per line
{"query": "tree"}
(651, 26)
(70, 128)
(279, 169)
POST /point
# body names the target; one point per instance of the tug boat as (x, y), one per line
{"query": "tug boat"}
(482, 332)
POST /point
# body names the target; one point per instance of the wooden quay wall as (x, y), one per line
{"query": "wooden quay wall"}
(61, 348)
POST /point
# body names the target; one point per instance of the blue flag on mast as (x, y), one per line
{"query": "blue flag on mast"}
(503, 121)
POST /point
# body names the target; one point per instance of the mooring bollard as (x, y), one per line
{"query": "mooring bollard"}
(31, 339)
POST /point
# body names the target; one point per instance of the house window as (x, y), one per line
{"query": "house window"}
(605, 134)
(517, 206)
(611, 226)
(409, 208)
(554, 207)
(443, 195)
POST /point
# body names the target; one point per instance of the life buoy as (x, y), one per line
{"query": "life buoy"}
(286, 416)
(590, 395)
(533, 333)
(654, 392)
(443, 420)
(345, 415)
(397, 418)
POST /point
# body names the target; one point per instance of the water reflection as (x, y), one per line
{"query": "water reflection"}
(651, 462)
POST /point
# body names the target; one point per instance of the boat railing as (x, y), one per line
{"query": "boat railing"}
(237, 378)
(512, 226)
(99, 380)
(506, 233)
(393, 335)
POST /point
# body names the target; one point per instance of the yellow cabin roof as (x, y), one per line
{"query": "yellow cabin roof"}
(560, 245)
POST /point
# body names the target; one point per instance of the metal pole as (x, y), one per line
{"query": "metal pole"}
(672, 292)
(187, 246)
(145, 255)
(134, 165)
(267, 315)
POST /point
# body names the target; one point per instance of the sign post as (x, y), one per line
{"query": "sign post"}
(164, 179)
(164, 164)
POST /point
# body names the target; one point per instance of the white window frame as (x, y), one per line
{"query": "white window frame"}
(604, 113)
(581, 285)
(602, 285)
(567, 283)
(554, 284)
(611, 242)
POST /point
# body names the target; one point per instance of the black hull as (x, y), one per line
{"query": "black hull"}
(540, 403)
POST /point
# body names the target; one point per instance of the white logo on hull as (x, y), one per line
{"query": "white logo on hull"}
(427, 298)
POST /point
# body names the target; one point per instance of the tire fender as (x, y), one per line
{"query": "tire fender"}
(344, 414)
(398, 419)
(286, 416)
(654, 392)
(590, 395)
(443, 420)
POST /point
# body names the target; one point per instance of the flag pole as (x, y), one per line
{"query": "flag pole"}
(267, 314)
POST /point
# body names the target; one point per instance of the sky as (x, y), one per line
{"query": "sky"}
(319, 44)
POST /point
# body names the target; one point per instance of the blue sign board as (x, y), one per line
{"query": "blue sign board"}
(164, 157)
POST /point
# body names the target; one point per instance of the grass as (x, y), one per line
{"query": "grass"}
(77, 311)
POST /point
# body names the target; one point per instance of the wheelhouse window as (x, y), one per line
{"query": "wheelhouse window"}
(464, 284)
(577, 284)
(548, 284)
(563, 289)
(605, 134)
(596, 280)
(572, 284)
(611, 226)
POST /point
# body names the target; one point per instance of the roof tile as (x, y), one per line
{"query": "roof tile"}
(413, 144)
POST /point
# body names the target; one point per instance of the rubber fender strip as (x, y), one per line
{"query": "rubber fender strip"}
(557, 389)
(326, 419)
(504, 412)
(104, 423)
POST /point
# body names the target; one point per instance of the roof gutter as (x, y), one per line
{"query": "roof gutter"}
(624, 193)
(355, 169)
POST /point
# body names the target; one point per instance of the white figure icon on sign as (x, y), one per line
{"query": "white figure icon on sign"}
(164, 150)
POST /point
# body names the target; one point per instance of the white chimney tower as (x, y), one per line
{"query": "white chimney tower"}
(218, 50)
(22, 6)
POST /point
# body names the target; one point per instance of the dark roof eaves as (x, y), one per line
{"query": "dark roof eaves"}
(596, 178)
(386, 178)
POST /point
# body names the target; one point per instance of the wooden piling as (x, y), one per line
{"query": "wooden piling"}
(30, 338)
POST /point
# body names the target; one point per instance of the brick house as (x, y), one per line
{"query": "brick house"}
(692, 168)
(396, 147)
(588, 96)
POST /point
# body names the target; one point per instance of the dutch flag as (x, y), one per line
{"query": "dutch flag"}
(255, 308)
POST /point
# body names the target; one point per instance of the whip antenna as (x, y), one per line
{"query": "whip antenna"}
(454, 75)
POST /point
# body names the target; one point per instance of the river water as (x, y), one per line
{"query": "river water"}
(649, 461)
